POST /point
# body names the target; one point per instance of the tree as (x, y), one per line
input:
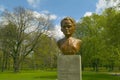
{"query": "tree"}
(27, 30)
(100, 36)
(112, 29)
(0, 59)
(45, 53)
(7, 35)
(90, 30)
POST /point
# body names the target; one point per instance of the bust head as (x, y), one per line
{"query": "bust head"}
(68, 26)
(68, 45)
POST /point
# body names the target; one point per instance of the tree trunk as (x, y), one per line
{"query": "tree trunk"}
(3, 63)
(16, 64)
(83, 67)
(5, 60)
(97, 68)
(2, 67)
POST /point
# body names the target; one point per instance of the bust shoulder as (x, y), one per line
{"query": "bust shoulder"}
(69, 45)
(71, 40)
(76, 40)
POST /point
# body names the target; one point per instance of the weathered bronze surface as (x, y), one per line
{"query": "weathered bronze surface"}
(68, 45)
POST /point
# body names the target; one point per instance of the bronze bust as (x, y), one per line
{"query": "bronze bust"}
(68, 45)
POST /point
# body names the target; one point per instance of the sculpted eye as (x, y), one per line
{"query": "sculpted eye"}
(69, 26)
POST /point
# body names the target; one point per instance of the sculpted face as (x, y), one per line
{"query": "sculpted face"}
(67, 28)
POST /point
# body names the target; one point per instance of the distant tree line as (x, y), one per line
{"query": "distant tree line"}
(101, 42)
(25, 47)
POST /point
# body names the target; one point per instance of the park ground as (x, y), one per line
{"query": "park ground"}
(52, 75)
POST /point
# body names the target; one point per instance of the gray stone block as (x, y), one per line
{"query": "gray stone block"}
(69, 67)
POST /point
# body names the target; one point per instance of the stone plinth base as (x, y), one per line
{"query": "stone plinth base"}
(69, 67)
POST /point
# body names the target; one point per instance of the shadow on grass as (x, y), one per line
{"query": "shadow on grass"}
(46, 77)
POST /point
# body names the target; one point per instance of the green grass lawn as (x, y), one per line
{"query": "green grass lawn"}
(99, 76)
(29, 75)
(52, 75)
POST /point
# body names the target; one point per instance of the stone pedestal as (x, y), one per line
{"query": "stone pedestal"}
(69, 67)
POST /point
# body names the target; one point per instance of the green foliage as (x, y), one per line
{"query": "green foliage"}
(34, 50)
(100, 37)
(45, 55)
(112, 33)
(89, 30)
(18, 40)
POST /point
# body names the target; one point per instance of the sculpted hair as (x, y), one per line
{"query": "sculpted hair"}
(68, 18)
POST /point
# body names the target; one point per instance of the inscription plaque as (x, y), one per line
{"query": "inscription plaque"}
(69, 67)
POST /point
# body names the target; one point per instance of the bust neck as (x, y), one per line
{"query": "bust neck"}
(66, 38)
